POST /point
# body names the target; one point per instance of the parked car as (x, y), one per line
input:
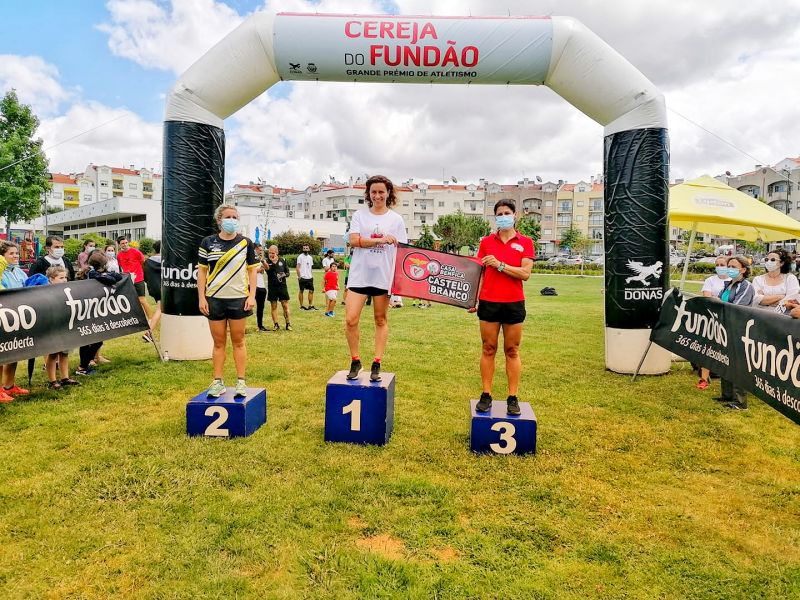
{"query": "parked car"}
(706, 260)
(557, 260)
(677, 260)
(574, 260)
(597, 259)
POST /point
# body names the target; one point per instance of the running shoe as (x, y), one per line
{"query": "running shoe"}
(288, 327)
(262, 328)
(312, 308)
(485, 403)
(241, 388)
(375, 371)
(69, 381)
(736, 406)
(512, 406)
(355, 369)
(216, 389)
(5, 398)
(276, 327)
(84, 371)
(702, 384)
(15, 390)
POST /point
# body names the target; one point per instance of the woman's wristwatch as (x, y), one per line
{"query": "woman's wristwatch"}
(501, 267)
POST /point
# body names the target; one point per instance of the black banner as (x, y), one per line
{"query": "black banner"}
(758, 350)
(41, 320)
(636, 235)
(194, 173)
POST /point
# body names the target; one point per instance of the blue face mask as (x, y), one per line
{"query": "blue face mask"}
(230, 225)
(504, 221)
(722, 271)
(733, 272)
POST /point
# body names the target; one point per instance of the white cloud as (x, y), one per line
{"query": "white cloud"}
(35, 81)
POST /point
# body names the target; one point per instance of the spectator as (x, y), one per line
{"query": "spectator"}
(305, 276)
(60, 360)
(12, 277)
(773, 288)
(261, 287)
(131, 260)
(331, 288)
(98, 269)
(54, 245)
(152, 277)
(110, 251)
(738, 290)
(328, 260)
(278, 291)
(88, 246)
(712, 287)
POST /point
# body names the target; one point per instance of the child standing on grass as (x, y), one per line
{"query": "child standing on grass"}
(98, 269)
(331, 287)
(12, 277)
(56, 275)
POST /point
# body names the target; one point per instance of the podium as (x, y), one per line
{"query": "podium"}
(500, 433)
(359, 411)
(226, 416)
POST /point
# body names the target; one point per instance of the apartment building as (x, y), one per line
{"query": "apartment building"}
(773, 185)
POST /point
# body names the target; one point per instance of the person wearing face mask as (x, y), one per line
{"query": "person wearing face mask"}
(305, 277)
(712, 287)
(110, 250)
(12, 277)
(226, 289)
(508, 257)
(54, 257)
(88, 246)
(737, 290)
(778, 284)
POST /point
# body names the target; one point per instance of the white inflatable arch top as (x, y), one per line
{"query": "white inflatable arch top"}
(558, 52)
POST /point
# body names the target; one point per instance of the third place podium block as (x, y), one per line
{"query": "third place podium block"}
(227, 416)
(359, 411)
(500, 433)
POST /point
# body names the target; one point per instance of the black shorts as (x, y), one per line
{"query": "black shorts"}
(506, 313)
(306, 284)
(369, 291)
(140, 289)
(280, 292)
(222, 309)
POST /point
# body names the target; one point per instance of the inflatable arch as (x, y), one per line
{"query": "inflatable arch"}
(555, 51)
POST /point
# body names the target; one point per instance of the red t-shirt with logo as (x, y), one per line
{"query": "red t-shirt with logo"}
(131, 261)
(497, 286)
(331, 281)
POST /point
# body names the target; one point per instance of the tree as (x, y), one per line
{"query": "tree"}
(425, 238)
(290, 242)
(23, 165)
(459, 230)
(570, 238)
(528, 225)
(146, 246)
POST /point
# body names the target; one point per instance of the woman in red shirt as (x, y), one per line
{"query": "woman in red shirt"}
(508, 258)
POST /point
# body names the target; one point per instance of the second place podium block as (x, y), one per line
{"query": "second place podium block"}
(359, 411)
(227, 416)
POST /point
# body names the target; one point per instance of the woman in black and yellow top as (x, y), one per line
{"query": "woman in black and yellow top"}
(226, 287)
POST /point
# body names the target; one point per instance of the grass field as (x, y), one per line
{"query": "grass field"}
(639, 490)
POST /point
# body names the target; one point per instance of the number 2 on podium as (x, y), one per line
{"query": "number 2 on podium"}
(354, 408)
(507, 431)
(214, 428)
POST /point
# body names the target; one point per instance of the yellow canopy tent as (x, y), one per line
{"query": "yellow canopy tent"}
(709, 206)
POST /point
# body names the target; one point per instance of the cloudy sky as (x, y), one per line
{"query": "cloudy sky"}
(100, 71)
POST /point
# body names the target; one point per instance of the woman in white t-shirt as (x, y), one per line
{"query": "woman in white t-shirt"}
(373, 235)
(712, 287)
(778, 284)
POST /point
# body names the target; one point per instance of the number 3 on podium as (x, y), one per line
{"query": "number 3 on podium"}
(507, 431)
(354, 408)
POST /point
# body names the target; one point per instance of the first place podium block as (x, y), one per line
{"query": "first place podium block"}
(227, 416)
(359, 411)
(501, 433)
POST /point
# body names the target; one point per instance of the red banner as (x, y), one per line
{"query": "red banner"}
(436, 276)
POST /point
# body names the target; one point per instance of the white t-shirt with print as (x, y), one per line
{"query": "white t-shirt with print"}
(714, 284)
(305, 262)
(374, 267)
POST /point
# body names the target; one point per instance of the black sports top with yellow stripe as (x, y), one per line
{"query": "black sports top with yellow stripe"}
(228, 263)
